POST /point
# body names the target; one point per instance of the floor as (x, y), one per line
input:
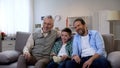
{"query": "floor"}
(8, 45)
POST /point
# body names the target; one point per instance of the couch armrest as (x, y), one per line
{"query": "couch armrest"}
(10, 56)
(0, 44)
(114, 59)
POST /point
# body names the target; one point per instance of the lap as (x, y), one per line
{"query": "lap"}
(100, 62)
(53, 64)
(29, 61)
(42, 63)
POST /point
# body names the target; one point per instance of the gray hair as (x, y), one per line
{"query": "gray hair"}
(48, 17)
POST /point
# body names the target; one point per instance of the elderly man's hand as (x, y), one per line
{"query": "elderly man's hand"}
(27, 55)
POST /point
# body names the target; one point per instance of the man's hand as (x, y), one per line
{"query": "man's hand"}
(64, 57)
(52, 54)
(87, 63)
(27, 55)
(90, 61)
(77, 59)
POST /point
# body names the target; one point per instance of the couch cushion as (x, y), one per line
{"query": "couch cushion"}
(7, 57)
(114, 59)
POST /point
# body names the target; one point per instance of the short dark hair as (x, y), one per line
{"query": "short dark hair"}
(81, 20)
(68, 30)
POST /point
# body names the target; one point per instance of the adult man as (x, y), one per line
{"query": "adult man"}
(88, 48)
(38, 46)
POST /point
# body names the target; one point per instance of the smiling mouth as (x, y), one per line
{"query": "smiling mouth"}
(80, 31)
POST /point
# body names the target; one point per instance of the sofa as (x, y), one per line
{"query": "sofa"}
(0, 44)
(8, 59)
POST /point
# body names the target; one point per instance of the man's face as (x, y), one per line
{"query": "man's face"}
(47, 25)
(80, 28)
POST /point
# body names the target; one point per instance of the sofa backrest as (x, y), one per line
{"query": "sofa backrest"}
(21, 39)
(109, 42)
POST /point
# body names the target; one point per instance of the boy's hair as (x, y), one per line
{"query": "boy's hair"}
(68, 30)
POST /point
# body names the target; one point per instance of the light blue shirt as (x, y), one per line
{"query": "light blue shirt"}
(95, 40)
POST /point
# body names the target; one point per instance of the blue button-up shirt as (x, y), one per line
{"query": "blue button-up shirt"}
(95, 40)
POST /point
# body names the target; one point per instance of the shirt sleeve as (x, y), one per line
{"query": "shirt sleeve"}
(75, 46)
(29, 44)
(99, 44)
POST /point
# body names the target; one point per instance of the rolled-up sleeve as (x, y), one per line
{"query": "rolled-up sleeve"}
(29, 44)
(99, 44)
(75, 46)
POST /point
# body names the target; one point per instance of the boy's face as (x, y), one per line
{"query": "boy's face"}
(65, 37)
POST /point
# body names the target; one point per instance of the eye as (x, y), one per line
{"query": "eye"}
(75, 27)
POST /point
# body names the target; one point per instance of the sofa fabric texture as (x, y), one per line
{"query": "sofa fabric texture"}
(9, 57)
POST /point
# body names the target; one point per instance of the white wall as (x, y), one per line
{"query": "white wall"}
(70, 8)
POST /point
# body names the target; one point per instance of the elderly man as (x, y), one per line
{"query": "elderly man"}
(38, 47)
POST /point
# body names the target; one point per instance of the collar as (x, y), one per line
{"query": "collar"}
(44, 34)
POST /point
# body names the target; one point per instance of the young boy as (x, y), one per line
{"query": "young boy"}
(62, 50)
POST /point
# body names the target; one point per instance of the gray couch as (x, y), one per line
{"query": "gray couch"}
(8, 59)
(0, 44)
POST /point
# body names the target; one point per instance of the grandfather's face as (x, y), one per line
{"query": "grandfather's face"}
(47, 25)
(80, 28)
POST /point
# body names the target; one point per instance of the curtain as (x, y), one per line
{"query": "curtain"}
(15, 15)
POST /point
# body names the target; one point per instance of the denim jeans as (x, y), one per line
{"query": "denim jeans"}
(98, 63)
(53, 64)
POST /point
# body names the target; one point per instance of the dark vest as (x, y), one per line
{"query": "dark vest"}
(43, 45)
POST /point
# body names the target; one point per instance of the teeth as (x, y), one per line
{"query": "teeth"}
(80, 31)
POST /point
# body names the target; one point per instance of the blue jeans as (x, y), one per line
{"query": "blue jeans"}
(53, 64)
(98, 63)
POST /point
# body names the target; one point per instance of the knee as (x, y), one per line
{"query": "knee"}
(52, 65)
(70, 62)
(101, 62)
(41, 64)
(62, 64)
(21, 57)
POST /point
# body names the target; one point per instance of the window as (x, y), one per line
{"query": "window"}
(15, 15)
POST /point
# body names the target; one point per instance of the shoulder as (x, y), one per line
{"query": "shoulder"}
(93, 32)
(76, 36)
(54, 32)
(37, 31)
(69, 43)
(58, 43)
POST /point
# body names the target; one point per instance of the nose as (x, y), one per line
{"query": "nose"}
(45, 25)
(76, 28)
